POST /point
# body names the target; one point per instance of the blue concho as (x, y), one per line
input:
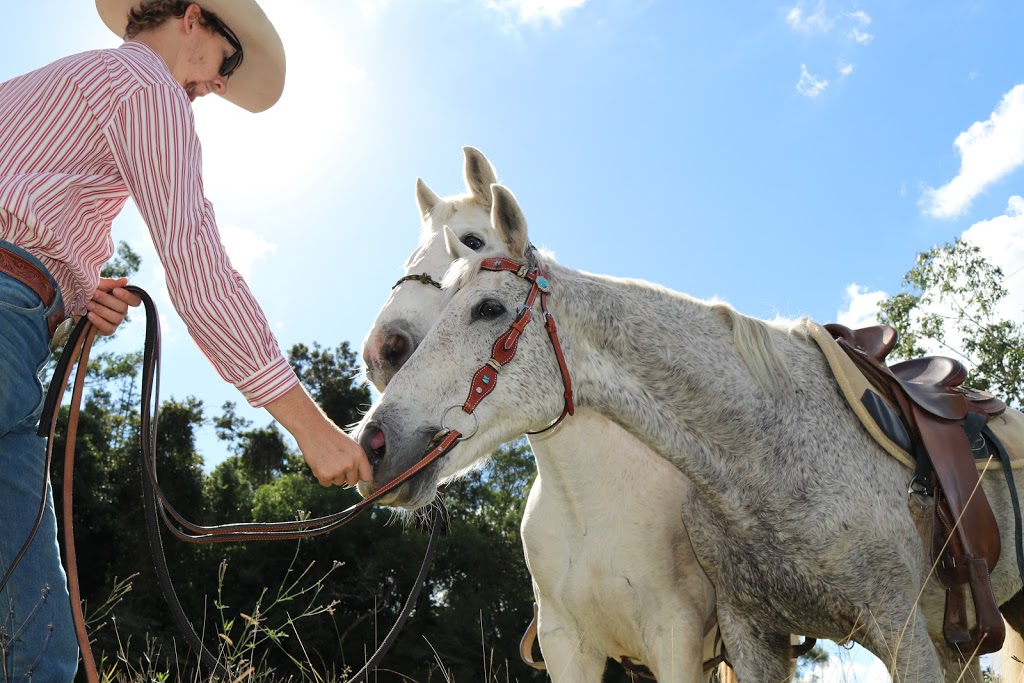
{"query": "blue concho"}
(542, 283)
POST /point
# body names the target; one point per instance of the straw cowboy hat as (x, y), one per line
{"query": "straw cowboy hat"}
(259, 81)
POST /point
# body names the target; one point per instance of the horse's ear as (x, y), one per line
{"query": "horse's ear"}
(425, 198)
(508, 221)
(479, 176)
(456, 249)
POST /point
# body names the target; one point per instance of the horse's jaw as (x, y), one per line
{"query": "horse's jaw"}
(410, 496)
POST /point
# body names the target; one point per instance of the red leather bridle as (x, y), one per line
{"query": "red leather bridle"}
(505, 347)
(502, 353)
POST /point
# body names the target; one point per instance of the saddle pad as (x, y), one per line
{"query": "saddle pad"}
(1008, 427)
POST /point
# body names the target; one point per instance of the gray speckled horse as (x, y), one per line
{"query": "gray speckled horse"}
(613, 571)
(799, 518)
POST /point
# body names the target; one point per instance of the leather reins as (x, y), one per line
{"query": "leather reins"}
(76, 352)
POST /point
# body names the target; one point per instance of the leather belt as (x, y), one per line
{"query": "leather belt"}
(36, 279)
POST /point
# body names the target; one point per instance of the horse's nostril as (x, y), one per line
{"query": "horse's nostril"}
(374, 443)
(377, 441)
(397, 348)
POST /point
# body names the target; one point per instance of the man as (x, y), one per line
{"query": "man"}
(77, 138)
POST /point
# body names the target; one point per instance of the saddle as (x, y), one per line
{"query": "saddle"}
(934, 408)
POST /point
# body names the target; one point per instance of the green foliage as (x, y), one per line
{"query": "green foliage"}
(950, 298)
(329, 378)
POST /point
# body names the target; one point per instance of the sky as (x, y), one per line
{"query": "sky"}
(791, 158)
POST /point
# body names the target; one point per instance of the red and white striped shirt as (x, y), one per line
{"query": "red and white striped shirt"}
(77, 138)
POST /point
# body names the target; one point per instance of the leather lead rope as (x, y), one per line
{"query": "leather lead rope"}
(76, 352)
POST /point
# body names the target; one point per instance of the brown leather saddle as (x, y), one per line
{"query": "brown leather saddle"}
(932, 404)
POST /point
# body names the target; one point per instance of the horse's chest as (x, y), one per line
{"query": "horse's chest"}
(606, 601)
(602, 590)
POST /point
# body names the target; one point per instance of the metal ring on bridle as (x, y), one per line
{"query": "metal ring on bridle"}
(476, 422)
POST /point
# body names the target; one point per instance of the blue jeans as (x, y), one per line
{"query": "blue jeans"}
(37, 633)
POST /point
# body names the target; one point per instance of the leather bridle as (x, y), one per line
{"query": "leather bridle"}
(505, 347)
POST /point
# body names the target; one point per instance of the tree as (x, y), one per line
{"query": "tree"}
(330, 379)
(950, 298)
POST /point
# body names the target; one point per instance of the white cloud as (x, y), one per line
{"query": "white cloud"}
(989, 150)
(810, 85)
(536, 10)
(1001, 240)
(844, 69)
(860, 37)
(861, 17)
(861, 307)
(815, 21)
(818, 20)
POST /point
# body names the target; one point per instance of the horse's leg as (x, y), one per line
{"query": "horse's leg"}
(677, 653)
(1009, 661)
(568, 658)
(957, 669)
(758, 653)
(901, 643)
(1013, 612)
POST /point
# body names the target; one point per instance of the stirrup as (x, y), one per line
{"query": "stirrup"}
(988, 634)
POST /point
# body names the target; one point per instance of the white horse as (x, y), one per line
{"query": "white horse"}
(800, 519)
(613, 571)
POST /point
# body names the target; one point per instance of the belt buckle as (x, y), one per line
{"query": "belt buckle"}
(61, 334)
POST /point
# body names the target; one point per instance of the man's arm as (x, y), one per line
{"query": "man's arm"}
(331, 454)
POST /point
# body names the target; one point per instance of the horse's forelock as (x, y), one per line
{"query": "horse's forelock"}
(462, 270)
(459, 273)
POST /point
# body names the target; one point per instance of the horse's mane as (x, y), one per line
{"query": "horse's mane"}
(755, 342)
(754, 339)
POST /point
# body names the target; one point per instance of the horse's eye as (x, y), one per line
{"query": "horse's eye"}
(473, 242)
(489, 309)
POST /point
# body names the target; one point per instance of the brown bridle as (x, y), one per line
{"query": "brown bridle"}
(422, 277)
(502, 353)
(505, 347)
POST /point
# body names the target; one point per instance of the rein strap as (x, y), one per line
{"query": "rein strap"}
(76, 352)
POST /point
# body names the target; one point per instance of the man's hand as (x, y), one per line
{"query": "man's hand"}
(109, 304)
(333, 456)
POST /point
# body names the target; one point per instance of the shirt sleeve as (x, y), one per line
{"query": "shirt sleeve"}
(159, 156)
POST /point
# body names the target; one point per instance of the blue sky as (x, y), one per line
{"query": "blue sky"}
(789, 157)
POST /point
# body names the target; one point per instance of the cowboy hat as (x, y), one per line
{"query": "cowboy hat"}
(259, 81)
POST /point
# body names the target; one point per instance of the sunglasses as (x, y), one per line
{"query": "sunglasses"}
(234, 60)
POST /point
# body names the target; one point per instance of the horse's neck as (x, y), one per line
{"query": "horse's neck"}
(664, 366)
(592, 468)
